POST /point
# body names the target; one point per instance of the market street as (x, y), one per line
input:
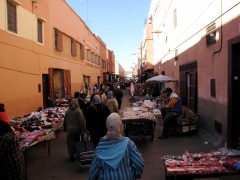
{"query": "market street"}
(57, 165)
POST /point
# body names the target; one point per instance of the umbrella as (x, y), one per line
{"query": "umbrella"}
(161, 79)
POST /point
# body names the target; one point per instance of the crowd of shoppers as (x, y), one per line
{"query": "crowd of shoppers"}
(116, 156)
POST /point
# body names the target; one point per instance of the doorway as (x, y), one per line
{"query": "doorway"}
(45, 89)
(189, 85)
(233, 93)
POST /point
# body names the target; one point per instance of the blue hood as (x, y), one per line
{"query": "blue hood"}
(112, 152)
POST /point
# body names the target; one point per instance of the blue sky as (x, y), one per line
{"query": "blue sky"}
(119, 23)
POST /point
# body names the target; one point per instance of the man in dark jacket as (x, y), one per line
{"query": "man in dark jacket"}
(96, 117)
(118, 94)
(75, 124)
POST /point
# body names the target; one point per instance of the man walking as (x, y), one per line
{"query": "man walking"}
(118, 95)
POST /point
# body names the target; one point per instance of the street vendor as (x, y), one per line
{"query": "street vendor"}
(170, 111)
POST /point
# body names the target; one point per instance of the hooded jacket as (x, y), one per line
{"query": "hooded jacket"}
(116, 159)
(74, 118)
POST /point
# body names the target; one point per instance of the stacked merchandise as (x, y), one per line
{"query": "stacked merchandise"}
(201, 163)
(33, 127)
(138, 121)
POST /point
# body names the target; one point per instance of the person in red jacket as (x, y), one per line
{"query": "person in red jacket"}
(3, 114)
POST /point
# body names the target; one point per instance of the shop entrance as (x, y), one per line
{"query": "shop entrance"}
(188, 85)
(234, 93)
(45, 89)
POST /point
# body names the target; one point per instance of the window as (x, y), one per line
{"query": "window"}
(88, 55)
(58, 40)
(82, 52)
(12, 17)
(176, 54)
(103, 64)
(213, 88)
(40, 30)
(211, 34)
(175, 18)
(73, 47)
(96, 59)
(92, 57)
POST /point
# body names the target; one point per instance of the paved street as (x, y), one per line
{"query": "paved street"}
(57, 165)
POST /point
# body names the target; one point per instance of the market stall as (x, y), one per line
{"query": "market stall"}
(190, 166)
(39, 126)
(140, 119)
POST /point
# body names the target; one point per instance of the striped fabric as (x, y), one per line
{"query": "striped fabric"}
(129, 168)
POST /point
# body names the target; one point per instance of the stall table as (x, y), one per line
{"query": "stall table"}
(201, 166)
(50, 135)
(139, 123)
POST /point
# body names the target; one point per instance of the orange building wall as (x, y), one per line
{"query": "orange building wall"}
(24, 60)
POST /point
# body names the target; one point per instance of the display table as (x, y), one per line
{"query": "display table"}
(50, 135)
(39, 126)
(200, 165)
(138, 122)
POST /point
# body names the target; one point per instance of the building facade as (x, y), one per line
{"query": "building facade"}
(47, 50)
(198, 43)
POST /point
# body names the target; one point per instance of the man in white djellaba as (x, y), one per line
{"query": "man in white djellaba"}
(132, 89)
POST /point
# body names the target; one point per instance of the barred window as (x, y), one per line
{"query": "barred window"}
(213, 87)
(40, 31)
(12, 17)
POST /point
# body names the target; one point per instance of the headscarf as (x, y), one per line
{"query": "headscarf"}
(97, 99)
(110, 95)
(114, 127)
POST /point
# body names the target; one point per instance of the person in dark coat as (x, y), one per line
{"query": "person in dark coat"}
(96, 117)
(12, 161)
(118, 95)
(75, 124)
(80, 97)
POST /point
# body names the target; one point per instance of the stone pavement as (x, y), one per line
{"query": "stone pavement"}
(58, 167)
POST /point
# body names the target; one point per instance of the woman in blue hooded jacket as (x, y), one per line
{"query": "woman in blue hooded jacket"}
(116, 157)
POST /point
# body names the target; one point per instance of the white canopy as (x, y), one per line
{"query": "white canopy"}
(161, 79)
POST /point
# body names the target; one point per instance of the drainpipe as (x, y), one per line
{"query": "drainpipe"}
(221, 36)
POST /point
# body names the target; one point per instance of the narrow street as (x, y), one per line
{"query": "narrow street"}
(57, 165)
